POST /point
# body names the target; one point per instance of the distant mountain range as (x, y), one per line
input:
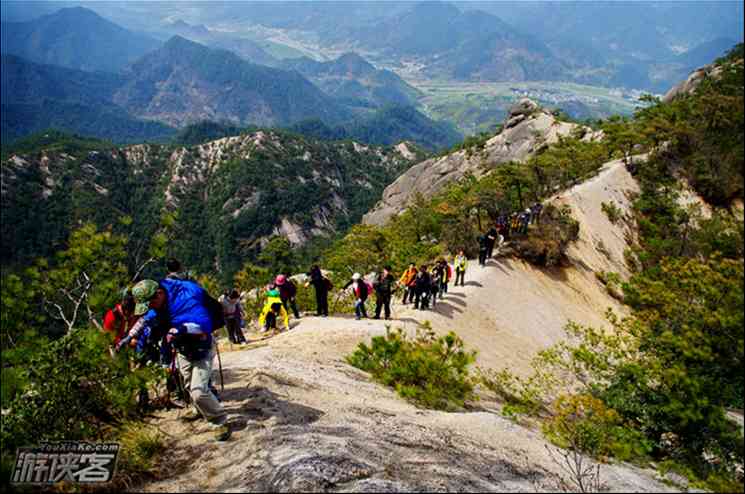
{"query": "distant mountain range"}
(37, 97)
(243, 47)
(76, 38)
(184, 82)
(387, 126)
(459, 45)
(634, 44)
(354, 81)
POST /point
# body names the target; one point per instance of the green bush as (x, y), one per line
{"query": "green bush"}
(546, 243)
(585, 423)
(431, 371)
(74, 391)
(520, 396)
(613, 212)
(140, 446)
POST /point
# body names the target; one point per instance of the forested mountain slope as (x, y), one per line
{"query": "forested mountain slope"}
(229, 195)
(352, 79)
(184, 82)
(37, 97)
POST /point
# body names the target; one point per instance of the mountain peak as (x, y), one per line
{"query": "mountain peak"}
(77, 11)
(177, 41)
(354, 64)
(436, 9)
(75, 37)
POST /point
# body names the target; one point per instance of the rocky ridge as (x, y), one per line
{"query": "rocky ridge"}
(527, 129)
(253, 186)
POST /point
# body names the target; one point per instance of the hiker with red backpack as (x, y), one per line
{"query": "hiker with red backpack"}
(361, 290)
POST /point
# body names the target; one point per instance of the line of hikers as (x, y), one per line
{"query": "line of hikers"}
(506, 226)
(172, 322)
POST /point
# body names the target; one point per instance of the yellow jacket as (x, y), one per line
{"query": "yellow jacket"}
(408, 277)
(268, 308)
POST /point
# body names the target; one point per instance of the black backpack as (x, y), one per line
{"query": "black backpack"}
(214, 308)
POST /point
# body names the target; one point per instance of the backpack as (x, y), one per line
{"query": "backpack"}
(329, 285)
(214, 309)
(369, 287)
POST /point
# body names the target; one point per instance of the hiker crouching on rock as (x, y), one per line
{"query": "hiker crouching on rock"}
(271, 313)
(384, 287)
(361, 291)
(183, 304)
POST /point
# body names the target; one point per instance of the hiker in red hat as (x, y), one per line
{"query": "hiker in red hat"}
(287, 293)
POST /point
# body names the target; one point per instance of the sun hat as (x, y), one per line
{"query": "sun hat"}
(143, 292)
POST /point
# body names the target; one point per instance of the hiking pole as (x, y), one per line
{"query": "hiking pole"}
(219, 366)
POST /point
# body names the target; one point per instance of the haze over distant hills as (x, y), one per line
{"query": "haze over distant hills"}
(629, 44)
(185, 82)
(37, 97)
(243, 47)
(182, 82)
(353, 80)
(77, 38)
(239, 62)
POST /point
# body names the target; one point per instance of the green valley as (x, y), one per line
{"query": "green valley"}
(478, 107)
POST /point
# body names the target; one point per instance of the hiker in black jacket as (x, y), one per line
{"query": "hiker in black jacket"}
(438, 274)
(491, 238)
(322, 286)
(422, 289)
(483, 249)
(384, 286)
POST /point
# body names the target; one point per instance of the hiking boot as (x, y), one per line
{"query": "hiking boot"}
(192, 416)
(222, 433)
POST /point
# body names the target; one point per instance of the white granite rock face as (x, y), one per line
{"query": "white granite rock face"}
(527, 129)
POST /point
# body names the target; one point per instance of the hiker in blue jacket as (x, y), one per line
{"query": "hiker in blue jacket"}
(184, 304)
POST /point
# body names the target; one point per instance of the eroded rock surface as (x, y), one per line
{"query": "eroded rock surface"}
(527, 129)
